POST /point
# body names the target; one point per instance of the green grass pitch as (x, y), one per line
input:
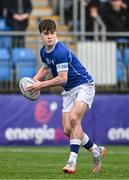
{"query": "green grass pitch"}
(47, 163)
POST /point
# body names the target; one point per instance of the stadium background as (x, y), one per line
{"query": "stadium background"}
(38, 123)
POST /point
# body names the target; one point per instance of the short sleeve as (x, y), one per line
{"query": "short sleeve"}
(62, 60)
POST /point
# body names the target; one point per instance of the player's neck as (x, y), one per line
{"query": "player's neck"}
(49, 48)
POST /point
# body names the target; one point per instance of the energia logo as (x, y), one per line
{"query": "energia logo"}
(44, 111)
(37, 135)
(118, 134)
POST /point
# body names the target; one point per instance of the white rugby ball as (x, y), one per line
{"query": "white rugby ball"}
(23, 84)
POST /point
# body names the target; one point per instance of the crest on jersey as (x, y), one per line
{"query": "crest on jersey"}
(50, 61)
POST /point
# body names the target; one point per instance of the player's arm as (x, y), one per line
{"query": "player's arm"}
(61, 79)
(42, 72)
(58, 80)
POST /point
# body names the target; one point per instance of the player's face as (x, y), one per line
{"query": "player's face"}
(48, 37)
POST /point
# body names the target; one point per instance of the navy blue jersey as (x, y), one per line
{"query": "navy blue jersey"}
(61, 58)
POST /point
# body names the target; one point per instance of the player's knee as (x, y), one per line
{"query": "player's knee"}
(74, 121)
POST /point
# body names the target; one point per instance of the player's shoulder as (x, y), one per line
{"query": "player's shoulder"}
(61, 45)
(42, 50)
(61, 48)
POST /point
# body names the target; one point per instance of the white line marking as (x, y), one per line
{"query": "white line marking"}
(54, 150)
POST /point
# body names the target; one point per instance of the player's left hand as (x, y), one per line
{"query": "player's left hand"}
(35, 87)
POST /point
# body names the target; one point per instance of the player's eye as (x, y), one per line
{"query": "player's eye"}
(52, 32)
(46, 33)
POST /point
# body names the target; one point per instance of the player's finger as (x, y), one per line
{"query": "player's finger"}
(32, 92)
(29, 88)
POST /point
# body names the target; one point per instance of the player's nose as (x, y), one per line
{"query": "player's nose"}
(49, 35)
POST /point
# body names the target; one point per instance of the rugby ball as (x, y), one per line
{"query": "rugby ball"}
(23, 84)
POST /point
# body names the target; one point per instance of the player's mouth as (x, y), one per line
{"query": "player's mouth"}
(50, 41)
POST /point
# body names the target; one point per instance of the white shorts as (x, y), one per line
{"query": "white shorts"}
(84, 92)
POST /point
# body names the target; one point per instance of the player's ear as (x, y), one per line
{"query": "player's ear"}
(41, 38)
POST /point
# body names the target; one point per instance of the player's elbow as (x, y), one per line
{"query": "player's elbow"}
(64, 80)
(63, 77)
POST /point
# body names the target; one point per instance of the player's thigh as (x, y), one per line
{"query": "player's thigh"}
(78, 110)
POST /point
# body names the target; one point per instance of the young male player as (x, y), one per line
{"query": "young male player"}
(78, 94)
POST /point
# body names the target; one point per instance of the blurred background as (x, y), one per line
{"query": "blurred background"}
(97, 31)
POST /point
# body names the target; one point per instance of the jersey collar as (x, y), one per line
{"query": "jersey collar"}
(52, 47)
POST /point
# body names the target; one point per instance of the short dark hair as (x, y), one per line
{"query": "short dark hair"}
(47, 25)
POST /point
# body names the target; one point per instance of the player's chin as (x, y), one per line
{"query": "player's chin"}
(50, 43)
